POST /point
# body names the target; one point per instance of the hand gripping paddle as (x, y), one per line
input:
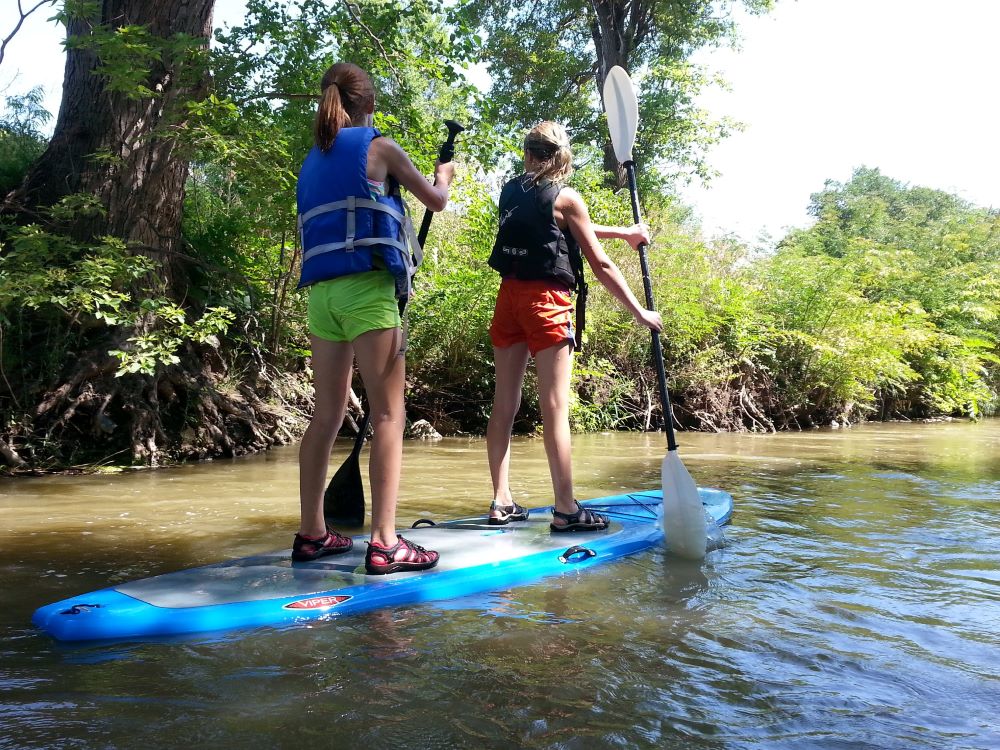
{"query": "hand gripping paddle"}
(344, 499)
(683, 519)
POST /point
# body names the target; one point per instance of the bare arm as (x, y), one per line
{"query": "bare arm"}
(634, 235)
(385, 157)
(571, 212)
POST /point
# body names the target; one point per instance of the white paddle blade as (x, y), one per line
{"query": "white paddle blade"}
(623, 112)
(684, 524)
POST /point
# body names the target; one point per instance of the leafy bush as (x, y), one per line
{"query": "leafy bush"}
(79, 292)
(21, 137)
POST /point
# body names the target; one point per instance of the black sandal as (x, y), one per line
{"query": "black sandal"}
(508, 513)
(583, 520)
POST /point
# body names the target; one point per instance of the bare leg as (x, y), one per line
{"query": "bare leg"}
(510, 364)
(555, 365)
(383, 370)
(332, 363)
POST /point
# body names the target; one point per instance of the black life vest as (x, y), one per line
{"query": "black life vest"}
(530, 245)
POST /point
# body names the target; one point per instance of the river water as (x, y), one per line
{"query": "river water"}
(855, 605)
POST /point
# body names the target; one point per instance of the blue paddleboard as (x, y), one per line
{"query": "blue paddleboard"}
(269, 590)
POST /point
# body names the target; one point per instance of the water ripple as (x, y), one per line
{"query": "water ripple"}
(855, 605)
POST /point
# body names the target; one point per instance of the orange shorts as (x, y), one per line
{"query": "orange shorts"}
(539, 313)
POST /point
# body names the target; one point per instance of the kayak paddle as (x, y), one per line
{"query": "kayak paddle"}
(683, 515)
(344, 499)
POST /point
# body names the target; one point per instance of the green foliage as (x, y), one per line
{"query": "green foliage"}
(157, 347)
(830, 350)
(889, 305)
(280, 53)
(250, 135)
(544, 61)
(90, 291)
(603, 399)
(128, 55)
(450, 358)
(910, 283)
(21, 138)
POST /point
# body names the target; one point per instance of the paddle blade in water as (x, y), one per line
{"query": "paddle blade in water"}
(684, 523)
(344, 499)
(622, 110)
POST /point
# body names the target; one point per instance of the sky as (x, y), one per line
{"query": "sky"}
(825, 86)
(821, 87)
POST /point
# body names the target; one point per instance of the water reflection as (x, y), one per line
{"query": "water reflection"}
(855, 604)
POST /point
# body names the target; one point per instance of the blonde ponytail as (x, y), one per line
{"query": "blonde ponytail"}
(548, 144)
(347, 96)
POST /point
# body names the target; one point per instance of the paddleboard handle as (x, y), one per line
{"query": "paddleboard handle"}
(421, 522)
(576, 550)
(79, 609)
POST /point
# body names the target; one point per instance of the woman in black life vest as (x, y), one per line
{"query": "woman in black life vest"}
(543, 224)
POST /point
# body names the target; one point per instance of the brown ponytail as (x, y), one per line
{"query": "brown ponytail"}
(348, 95)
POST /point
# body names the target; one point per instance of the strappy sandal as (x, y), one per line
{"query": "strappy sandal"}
(508, 513)
(583, 520)
(403, 555)
(305, 549)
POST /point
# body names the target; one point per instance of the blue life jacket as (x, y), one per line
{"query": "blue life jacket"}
(344, 230)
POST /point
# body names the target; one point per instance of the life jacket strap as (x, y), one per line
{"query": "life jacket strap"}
(581, 314)
(350, 204)
(365, 242)
(410, 252)
(411, 236)
(349, 233)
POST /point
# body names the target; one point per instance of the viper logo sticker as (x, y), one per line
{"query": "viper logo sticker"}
(317, 602)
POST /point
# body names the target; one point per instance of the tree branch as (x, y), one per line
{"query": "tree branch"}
(355, 12)
(20, 22)
(278, 95)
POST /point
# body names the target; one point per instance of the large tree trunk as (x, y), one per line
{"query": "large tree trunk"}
(113, 141)
(616, 29)
(116, 145)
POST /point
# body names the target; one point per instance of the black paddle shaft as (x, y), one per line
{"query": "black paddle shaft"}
(647, 284)
(343, 501)
(445, 155)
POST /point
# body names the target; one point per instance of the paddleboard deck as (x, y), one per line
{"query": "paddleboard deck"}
(270, 589)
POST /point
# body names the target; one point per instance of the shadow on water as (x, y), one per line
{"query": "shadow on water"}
(854, 605)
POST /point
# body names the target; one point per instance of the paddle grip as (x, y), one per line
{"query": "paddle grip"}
(445, 155)
(647, 284)
(447, 151)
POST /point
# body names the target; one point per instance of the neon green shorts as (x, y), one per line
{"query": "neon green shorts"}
(342, 309)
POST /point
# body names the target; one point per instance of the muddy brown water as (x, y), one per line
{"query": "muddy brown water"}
(856, 605)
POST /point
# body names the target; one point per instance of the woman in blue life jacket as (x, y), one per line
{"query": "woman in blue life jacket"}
(356, 263)
(545, 228)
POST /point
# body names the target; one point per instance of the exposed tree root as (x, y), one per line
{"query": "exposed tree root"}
(197, 409)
